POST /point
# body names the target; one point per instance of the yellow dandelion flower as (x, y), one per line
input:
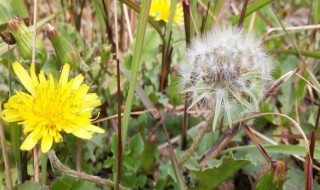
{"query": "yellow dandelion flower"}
(51, 108)
(160, 10)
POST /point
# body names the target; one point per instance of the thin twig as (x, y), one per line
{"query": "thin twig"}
(78, 155)
(196, 141)
(35, 10)
(294, 28)
(223, 10)
(158, 124)
(81, 175)
(125, 10)
(256, 141)
(194, 25)
(106, 9)
(36, 164)
(176, 138)
(116, 115)
(173, 158)
(281, 115)
(253, 18)
(274, 143)
(223, 141)
(308, 82)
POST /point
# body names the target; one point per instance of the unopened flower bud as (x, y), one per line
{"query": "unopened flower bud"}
(65, 52)
(275, 177)
(24, 41)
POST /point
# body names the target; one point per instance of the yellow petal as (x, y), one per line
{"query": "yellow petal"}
(29, 142)
(34, 77)
(58, 127)
(82, 90)
(24, 77)
(51, 82)
(82, 134)
(11, 115)
(58, 138)
(52, 131)
(64, 74)
(42, 77)
(46, 143)
(77, 81)
(96, 129)
(90, 97)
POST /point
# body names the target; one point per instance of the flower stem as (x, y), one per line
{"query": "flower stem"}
(44, 161)
(15, 131)
(5, 157)
(243, 13)
(186, 15)
(120, 147)
(35, 149)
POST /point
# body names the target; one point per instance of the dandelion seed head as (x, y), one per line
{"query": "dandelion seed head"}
(230, 68)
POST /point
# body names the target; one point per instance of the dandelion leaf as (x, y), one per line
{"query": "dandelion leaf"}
(218, 171)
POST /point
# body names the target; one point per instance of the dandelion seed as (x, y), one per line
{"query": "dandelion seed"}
(160, 10)
(50, 108)
(231, 67)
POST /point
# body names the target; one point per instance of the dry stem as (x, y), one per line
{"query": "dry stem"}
(196, 141)
(81, 175)
(36, 164)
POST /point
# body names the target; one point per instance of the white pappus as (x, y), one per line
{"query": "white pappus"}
(228, 70)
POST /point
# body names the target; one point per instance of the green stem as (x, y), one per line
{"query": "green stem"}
(15, 130)
(44, 161)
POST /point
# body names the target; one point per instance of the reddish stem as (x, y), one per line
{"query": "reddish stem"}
(120, 148)
(243, 13)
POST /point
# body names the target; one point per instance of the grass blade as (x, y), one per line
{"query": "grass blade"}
(254, 7)
(142, 25)
(295, 52)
